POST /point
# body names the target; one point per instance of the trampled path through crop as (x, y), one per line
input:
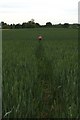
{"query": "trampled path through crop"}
(44, 65)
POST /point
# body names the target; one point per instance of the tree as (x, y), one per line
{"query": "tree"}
(24, 25)
(5, 25)
(37, 24)
(12, 26)
(18, 26)
(66, 25)
(31, 24)
(48, 24)
(32, 20)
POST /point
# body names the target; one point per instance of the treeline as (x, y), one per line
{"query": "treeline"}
(32, 24)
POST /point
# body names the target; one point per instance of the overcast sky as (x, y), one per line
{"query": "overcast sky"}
(55, 11)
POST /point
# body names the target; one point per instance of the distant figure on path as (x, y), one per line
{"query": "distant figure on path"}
(40, 37)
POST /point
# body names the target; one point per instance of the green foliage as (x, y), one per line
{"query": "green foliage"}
(66, 25)
(40, 77)
(32, 24)
(48, 24)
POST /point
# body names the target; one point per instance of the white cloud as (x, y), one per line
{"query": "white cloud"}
(42, 11)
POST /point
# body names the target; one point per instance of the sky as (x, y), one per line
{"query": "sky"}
(42, 11)
(79, 12)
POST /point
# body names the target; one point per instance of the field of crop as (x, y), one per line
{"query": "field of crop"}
(0, 73)
(40, 77)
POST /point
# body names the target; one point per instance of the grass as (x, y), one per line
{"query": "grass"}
(40, 77)
(0, 73)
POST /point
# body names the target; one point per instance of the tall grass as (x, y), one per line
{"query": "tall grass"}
(0, 73)
(40, 77)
